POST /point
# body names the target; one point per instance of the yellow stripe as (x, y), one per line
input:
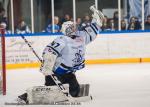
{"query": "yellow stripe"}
(112, 61)
(24, 65)
(96, 61)
(145, 59)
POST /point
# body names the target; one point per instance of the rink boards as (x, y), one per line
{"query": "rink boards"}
(119, 47)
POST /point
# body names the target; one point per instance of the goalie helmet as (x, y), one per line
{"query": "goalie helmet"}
(68, 28)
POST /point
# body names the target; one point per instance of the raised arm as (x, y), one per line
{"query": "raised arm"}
(92, 30)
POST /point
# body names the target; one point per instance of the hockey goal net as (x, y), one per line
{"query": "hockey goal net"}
(2, 63)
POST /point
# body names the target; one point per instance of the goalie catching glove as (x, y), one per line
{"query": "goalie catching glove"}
(97, 15)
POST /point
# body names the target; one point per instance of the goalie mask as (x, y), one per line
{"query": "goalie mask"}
(68, 28)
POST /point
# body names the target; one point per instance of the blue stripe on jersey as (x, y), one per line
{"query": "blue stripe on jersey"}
(54, 50)
(61, 71)
(88, 34)
(95, 26)
(93, 29)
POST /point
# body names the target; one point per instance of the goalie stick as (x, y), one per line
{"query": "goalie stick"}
(58, 83)
(26, 41)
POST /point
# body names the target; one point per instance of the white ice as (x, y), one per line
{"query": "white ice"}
(114, 85)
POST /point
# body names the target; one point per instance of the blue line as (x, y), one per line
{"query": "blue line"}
(59, 34)
(125, 31)
(34, 34)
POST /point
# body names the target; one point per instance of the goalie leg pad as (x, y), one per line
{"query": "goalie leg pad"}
(46, 94)
(84, 90)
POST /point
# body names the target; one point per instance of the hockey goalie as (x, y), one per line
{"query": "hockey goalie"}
(62, 58)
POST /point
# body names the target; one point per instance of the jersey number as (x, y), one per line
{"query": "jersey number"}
(55, 44)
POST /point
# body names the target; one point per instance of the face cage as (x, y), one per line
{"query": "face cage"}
(70, 29)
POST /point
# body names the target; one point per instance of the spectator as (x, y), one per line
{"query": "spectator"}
(22, 28)
(56, 26)
(115, 18)
(3, 26)
(111, 25)
(147, 23)
(3, 18)
(79, 23)
(134, 24)
(123, 25)
(105, 26)
(67, 17)
(86, 20)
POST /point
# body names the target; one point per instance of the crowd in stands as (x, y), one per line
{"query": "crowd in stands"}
(147, 23)
(109, 24)
(21, 27)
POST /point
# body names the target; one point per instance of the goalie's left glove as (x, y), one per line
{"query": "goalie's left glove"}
(97, 15)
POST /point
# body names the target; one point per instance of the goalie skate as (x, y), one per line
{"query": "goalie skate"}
(97, 15)
(22, 99)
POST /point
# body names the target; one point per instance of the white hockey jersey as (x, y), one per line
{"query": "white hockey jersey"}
(71, 51)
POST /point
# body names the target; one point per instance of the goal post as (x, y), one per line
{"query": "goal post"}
(2, 62)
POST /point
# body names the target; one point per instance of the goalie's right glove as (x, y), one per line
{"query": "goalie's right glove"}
(97, 15)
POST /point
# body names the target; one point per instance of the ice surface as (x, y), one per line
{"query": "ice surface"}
(116, 85)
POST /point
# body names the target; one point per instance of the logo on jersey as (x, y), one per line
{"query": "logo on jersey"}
(78, 57)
